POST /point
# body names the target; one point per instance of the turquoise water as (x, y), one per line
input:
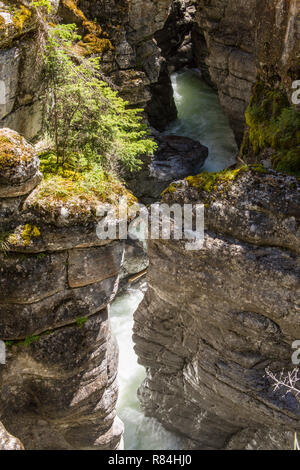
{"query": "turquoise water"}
(200, 117)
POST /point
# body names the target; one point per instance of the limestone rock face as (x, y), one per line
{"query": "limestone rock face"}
(19, 165)
(236, 41)
(9, 442)
(175, 158)
(224, 42)
(57, 279)
(214, 319)
(59, 391)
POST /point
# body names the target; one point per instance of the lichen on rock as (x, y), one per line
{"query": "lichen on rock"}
(19, 165)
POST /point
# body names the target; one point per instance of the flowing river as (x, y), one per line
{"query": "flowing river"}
(200, 117)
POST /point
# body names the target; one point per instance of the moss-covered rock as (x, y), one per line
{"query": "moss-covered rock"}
(15, 19)
(95, 40)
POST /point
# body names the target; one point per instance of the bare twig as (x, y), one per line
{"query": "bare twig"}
(289, 382)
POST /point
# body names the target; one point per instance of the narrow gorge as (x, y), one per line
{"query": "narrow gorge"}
(136, 343)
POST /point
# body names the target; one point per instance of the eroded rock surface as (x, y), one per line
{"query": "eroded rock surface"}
(57, 279)
(213, 320)
(9, 442)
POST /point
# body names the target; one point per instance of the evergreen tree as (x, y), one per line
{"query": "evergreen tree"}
(86, 119)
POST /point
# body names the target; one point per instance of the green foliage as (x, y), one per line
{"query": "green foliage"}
(26, 342)
(30, 339)
(29, 232)
(273, 123)
(86, 119)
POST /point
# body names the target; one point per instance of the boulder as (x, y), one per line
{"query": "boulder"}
(214, 319)
(19, 165)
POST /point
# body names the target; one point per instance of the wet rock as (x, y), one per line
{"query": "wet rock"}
(177, 157)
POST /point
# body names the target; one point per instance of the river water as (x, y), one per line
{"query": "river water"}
(200, 117)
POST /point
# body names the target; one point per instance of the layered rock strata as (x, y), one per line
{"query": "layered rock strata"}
(9, 442)
(213, 320)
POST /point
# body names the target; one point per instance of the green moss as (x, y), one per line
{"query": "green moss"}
(26, 342)
(81, 321)
(273, 123)
(77, 184)
(209, 182)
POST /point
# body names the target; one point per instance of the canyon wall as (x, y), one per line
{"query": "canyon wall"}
(212, 320)
(58, 388)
